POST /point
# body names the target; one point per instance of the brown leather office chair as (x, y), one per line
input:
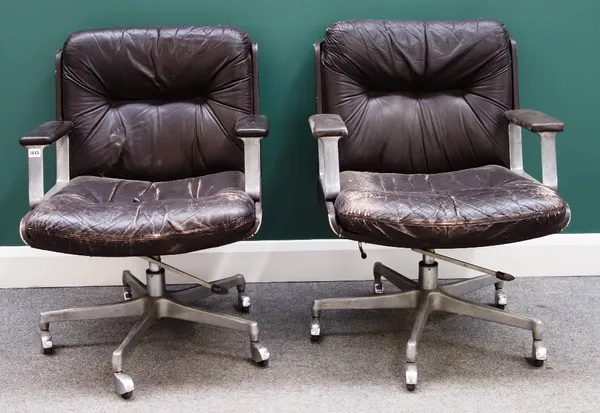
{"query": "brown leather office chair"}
(158, 153)
(419, 133)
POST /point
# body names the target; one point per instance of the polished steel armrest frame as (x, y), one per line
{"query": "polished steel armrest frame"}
(328, 129)
(35, 154)
(548, 148)
(252, 167)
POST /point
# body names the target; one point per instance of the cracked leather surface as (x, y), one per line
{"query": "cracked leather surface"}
(424, 164)
(156, 166)
(156, 104)
(419, 97)
(98, 216)
(468, 208)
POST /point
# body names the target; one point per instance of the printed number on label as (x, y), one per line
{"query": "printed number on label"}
(35, 152)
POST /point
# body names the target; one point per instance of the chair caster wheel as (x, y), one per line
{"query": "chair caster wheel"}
(538, 353)
(377, 286)
(47, 343)
(243, 303)
(500, 299)
(124, 385)
(411, 376)
(260, 354)
(315, 330)
(127, 295)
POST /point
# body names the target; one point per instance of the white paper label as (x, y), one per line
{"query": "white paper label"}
(35, 152)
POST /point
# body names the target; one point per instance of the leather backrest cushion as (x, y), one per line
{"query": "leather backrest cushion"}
(156, 104)
(416, 96)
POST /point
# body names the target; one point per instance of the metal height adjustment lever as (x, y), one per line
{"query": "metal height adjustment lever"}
(363, 254)
(498, 274)
(217, 289)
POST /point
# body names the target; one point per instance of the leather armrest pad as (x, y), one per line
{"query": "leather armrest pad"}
(47, 133)
(327, 125)
(252, 126)
(534, 121)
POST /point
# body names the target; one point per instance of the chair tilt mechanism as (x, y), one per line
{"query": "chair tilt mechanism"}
(419, 138)
(158, 153)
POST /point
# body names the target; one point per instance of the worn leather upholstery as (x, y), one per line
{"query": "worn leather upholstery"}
(47, 133)
(419, 97)
(534, 121)
(153, 114)
(156, 104)
(101, 216)
(476, 207)
(425, 161)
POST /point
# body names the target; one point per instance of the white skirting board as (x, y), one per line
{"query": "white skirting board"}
(302, 260)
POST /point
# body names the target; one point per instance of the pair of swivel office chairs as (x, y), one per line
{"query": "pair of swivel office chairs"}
(419, 139)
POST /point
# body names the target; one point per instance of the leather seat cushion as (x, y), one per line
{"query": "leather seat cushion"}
(98, 216)
(476, 207)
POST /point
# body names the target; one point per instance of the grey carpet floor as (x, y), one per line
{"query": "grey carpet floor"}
(465, 365)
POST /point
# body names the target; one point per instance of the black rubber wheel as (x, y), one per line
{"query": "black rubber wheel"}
(48, 351)
(315, 339)
(411, 387)
(501, 306)
(263, 363)
(538, 363)
(244, 310)
(127, 395)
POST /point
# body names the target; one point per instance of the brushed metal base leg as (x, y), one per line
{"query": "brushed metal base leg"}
(132, 338)
(428, 296)
(171, 309)
(130, 308)
(380, 270)
(455, 305)
(467, 286)
(198, 292)
(154, 304)
(404, 299)
(123, 382)
(131, 285)
(423, 312)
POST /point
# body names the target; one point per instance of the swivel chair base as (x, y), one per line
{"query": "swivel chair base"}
(427, 296)
(153, 304)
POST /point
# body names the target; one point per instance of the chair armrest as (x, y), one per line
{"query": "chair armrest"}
(327, 126)
(328, 129)
(46, 134)
(252, 126)
(547, 128)
(534, 121)
(251, 129)
(35, 142)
